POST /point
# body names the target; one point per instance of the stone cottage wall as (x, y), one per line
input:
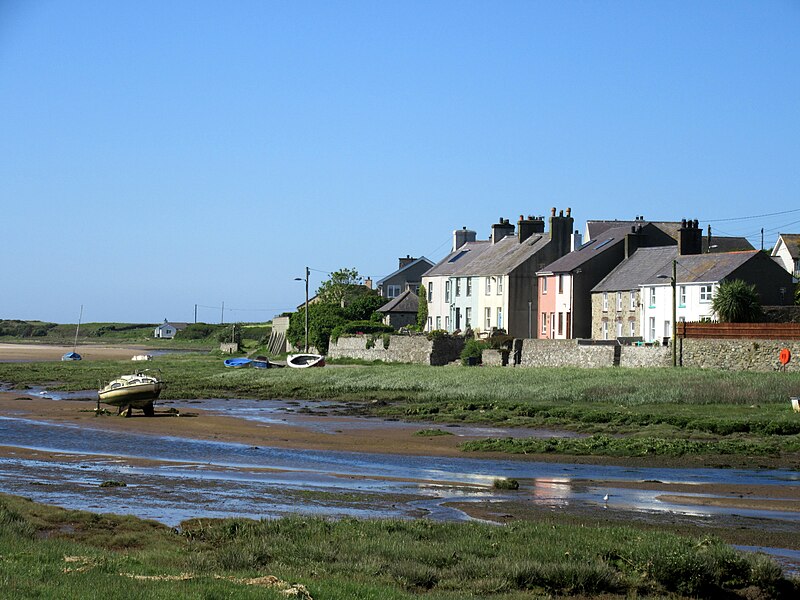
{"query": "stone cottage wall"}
(645, 356)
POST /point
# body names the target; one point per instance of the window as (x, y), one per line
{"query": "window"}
(705, 293)
(619, 328)
(633, 299)
(488, 285)
(560, 323)
(458, 286)
(632, 328)
(652, 297)
(447, 291)
(544, 285)
(499, 318)
(430, 323)
(393, 291)
(667, 329)
(488, 319)
(469, 286)
(468, 316)
(438, 322)
(561, 283)
(544, 323)
(605, 301)
(652, 329)
(500, 285)
(619, 301)
(682, 296)
(447, 322)
(430, 291)
(605, 330)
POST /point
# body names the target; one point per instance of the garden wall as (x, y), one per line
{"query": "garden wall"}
(564, 353)
(737, 355)
(416, 349)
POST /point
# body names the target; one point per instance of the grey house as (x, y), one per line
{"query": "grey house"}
(408, 276)
(401, 311)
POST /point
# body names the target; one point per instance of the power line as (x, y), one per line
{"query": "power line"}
(783, 212)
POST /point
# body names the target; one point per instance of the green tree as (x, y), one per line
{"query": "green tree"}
(737, 302)
(322, 318)
(363, 307)
(422, 310)
(342, 285)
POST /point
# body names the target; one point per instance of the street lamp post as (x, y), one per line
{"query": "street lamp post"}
(308, 271)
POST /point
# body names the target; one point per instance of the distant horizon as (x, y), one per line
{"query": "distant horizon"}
(159, 155)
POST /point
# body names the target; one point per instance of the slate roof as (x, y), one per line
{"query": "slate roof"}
(408, 266)
(459, 259)
(407, 302)
(504, 256)
(653, 266)
(610, 238)
(596, 229)
(792, 243)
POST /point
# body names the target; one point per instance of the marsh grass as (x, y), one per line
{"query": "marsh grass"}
(51, 553)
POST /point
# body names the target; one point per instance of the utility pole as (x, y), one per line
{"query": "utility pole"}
(222, 314)
(674, 312)
(195, 314)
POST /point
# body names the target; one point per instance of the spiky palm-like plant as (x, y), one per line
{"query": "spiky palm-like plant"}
(737, 302)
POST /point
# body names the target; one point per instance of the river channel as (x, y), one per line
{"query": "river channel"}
(173, 478)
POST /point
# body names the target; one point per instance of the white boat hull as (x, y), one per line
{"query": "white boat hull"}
(304, 361)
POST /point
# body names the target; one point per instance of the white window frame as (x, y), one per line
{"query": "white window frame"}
(544, 323)
(619, 301)
(706, 293)
(438, 322)
(468, 317)
(619, 328)
(605, 301)
(488, 290)
(652, 297)
(458, 287)
(682, 296)
(605, 330)
(633, 299)
(632, 328)
(499, 317)
(499, 285)
(469, 287)
(447, 291)
(392, 291)
(488, 315)
(544, 285)
(652, 329)
(430, 291)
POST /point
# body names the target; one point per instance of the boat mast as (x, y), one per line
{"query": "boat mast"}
(77, 329)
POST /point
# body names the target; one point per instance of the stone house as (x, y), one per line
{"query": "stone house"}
(401, 311)
(565, 303)
(636, 298)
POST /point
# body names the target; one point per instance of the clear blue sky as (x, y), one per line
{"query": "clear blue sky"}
(155, 155)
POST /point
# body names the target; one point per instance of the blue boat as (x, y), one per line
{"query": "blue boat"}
(71, 356)
(237, 362)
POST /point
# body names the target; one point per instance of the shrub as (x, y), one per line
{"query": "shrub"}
(472, 351)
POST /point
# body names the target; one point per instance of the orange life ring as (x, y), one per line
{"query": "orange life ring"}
(785, 356)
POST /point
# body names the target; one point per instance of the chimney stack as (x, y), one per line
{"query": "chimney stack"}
(561, 230)
(501, 229)
(634, 240)
(462, 236)
(407, 260)
(690, 237)
(527, 227)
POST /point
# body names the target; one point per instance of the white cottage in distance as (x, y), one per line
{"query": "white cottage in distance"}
(168, 330)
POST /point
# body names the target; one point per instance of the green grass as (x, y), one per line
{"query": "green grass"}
(363, 559)
(656, 412)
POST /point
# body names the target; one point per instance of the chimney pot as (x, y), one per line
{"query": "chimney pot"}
(553, 211)
(569, 211)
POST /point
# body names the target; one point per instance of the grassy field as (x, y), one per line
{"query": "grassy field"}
(47, 552)
(625, 412)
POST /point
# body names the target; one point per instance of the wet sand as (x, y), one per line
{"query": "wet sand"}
(47, 352)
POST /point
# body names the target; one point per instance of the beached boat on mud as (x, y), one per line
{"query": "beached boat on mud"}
(237, 362)
(304, 361)
(139, 390)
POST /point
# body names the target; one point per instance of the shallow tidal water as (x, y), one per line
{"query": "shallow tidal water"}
(171, 479)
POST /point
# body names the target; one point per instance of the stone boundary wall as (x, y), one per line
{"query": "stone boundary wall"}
(645, 356)
(417, 349)
(737, 355)
(564, 353)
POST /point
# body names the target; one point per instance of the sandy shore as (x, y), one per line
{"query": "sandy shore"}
(46, 352)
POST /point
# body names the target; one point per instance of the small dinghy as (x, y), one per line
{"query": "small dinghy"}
(237, 362)
(71, 356)
(304, 361)
(127, 392)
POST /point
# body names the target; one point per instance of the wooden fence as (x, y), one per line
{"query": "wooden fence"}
(731, 331)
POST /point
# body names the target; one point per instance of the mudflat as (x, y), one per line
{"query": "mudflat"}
(48, 352)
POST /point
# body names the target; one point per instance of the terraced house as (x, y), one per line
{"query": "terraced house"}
(492, 285)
